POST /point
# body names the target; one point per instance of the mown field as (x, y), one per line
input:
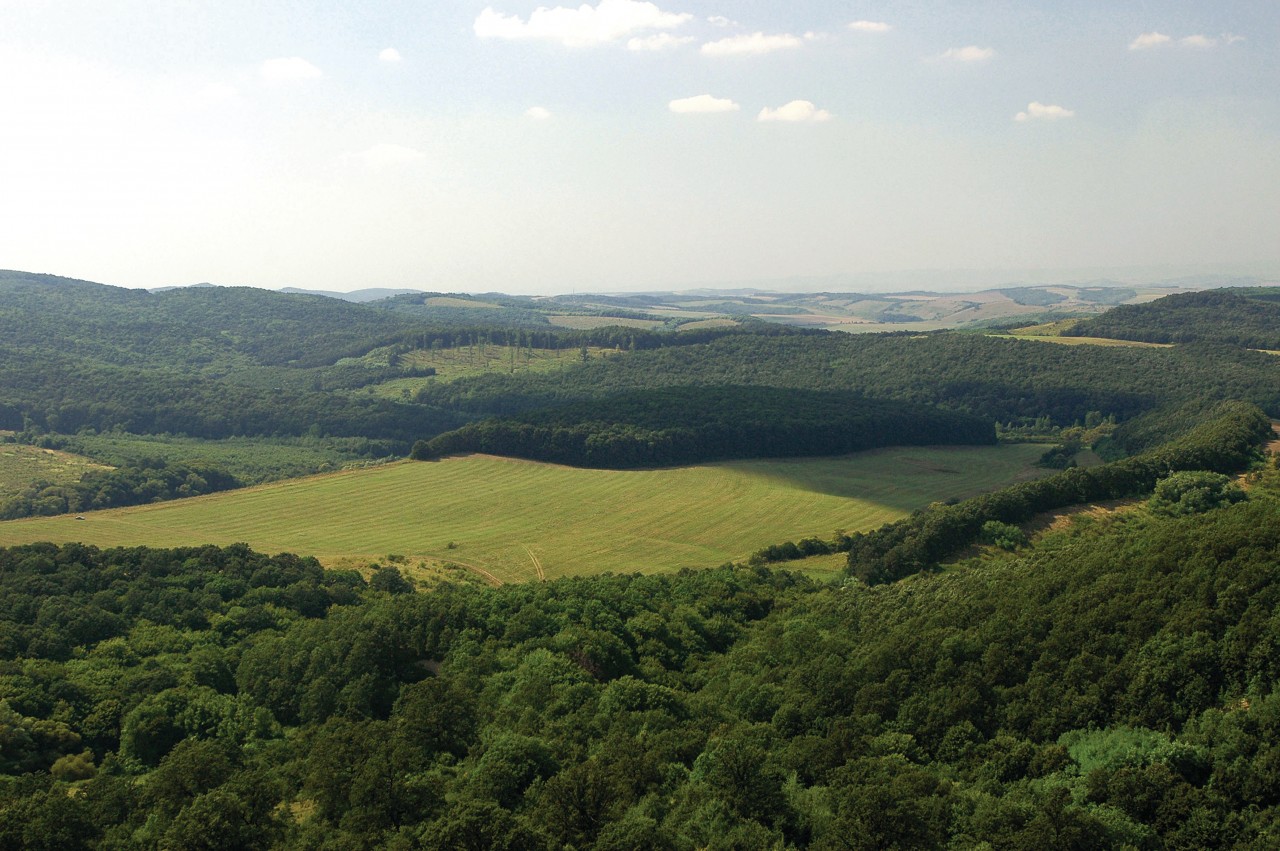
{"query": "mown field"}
(510, 520)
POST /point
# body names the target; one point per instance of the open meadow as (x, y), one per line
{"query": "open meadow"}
(511, 520)
(22, 465)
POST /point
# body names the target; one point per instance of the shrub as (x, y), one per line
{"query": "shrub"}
(1193, 492)
(1006, 536)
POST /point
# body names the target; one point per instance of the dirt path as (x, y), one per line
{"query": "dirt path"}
(537, 565)
(484, 574)
(1274, 445)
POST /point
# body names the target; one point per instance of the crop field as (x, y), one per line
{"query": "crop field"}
(22, 465)
(511, 520)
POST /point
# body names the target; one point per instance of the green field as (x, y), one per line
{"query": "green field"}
(1085, 341)
(586, 323)
(512, 520)
(467, 361)
(22, 465)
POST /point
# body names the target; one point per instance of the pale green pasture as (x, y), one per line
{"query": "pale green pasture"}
(22, 465)
(519, 520)
(586, 323)
(467, 361)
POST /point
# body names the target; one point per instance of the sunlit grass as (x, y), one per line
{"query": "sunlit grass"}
(519, 520)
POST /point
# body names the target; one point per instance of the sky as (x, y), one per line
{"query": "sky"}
(500, 145)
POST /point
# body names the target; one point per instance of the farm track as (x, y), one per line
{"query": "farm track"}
(537, 565)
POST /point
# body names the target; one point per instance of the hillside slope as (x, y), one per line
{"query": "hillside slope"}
(1114, 686)
(1216, 316)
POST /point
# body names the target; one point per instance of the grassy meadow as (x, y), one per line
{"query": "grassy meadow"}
(467, 361)
(511, 520)
(249, 459)
(22, 465)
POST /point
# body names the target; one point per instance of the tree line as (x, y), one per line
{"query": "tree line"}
(682, 425)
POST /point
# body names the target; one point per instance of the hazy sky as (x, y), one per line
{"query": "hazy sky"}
(499, 145)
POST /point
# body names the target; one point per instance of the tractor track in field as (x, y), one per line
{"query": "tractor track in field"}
(484, 574)
(537, 565)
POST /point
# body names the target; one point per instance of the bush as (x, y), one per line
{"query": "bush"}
(1006, 536)
(1194, 492)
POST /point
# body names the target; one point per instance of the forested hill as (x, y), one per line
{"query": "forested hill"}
(1236, 318)
(1000, 379)
(1116, 685)
(190, 327)
(214, 362)
(683, 425)
(201, 361)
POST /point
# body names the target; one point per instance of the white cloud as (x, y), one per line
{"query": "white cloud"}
(1149, 40)
(584, 26)
(816, 36)
(703, 103)
(972, 53)
(289, 69)
(658, 41)
(1037, 111)
(1146, 41)
(537, 113)
(755, 43)
(719, 21)
(390, 54)
(870, 26)
(1199, 41)
(796, 110)
(385, 155)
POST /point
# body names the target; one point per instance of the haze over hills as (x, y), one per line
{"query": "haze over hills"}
(814, 303)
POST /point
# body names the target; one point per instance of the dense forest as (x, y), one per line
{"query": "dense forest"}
(1246, 318)
(1001, 379)
(682, 425)
(217, 362)
(978, 677)
(1113, 685)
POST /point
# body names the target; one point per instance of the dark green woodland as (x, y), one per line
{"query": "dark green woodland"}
(1087, 660)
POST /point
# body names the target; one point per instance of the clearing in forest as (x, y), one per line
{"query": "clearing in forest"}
(490, 513)
(22, 465)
